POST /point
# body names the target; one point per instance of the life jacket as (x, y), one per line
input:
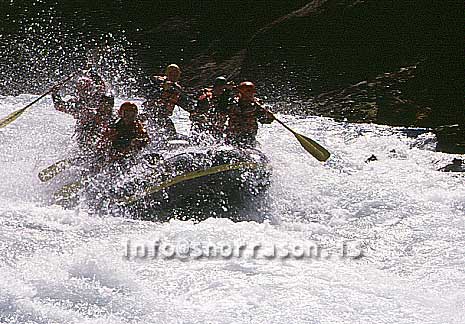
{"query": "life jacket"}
(121, 135)
(170, 95)
(198, 116)
(244, 117)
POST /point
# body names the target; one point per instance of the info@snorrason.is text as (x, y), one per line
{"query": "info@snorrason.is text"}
(190, 250)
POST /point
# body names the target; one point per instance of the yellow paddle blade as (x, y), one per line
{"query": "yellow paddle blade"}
(54, 169)
(68, 192)
(312, 147)
(14, 115)
(11, 117)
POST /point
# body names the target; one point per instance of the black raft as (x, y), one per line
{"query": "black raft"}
(194, 184)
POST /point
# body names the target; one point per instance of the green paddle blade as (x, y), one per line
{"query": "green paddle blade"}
(11, 117)
(312, 147)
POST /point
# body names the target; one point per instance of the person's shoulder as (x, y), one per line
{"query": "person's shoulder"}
(205, 90)
(107, 97)
(158, 79)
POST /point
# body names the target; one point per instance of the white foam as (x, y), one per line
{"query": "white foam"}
(68, 266)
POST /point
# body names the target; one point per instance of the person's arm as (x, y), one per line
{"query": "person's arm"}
(184, 100)
(201, 108)
(68, 107)
(153, 104)
(225, 102)
(264, 116)
(156, 87)
(202, 104)
(96, 77)
(106, 106)
(106, 141)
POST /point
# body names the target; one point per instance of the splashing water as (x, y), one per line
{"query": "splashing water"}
(37, 50)
(390, 232)
(400, 220)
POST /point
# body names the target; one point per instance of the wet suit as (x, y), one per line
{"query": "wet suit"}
(92, 114)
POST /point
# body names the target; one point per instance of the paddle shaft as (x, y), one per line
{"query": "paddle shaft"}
(279, 121)
(49, 91)
(14, 115)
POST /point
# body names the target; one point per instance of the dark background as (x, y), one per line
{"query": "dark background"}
(43, 38)
(397, 62)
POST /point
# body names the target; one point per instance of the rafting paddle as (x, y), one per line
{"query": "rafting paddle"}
(312, 147)
(14, 115)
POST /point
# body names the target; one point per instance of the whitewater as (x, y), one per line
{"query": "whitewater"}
(400, 220)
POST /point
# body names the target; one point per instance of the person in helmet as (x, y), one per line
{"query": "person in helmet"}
(166, 93)
(127, 135)
(211, 110)
(244, 116)
(91, 107)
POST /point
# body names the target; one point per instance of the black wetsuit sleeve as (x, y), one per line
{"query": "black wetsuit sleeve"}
(95, 76)
(186, 102)
(154, 88)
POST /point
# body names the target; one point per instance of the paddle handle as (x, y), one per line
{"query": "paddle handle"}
(276, 119)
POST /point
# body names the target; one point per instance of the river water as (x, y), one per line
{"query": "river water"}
(390, 237)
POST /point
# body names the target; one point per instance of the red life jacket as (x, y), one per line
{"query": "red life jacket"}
(124, 138)
(244, 118)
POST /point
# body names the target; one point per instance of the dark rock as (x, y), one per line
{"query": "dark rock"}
(389, 62)
(451, 138)
(456, 166)
(371, 159)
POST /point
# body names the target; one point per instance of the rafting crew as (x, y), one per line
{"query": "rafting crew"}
(91, 107)
(223, 112)
(233, 116)
(165, 93)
